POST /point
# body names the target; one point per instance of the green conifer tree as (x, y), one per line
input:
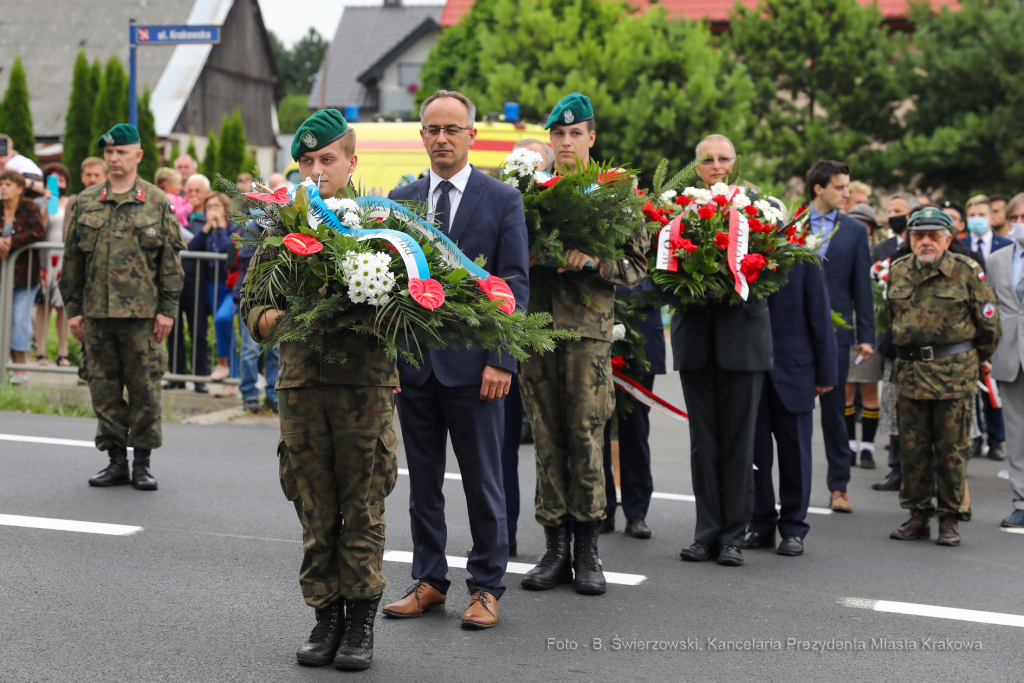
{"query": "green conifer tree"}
(209, 165)
(17, 117)
(111, 100)
(231, 147)
(147, 136)
(78, 140)
(191, 149)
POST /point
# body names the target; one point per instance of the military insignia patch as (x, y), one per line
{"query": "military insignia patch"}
(989, 310)
(569, 118)
(140, 195)
(103, 194)
(108, 138)
(981, 275)
(151, 233)
(308, 139)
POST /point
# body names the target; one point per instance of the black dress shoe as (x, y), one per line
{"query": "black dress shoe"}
(698, 552)
(272, 406)
(867, 460)
(730, 556)
(791, 546)
(637, 528)
(608, 525)
(890, 483)
(323, 642)
(201, 388)
(996, 450)
(755, 539)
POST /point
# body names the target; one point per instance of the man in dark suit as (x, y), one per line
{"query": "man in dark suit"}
(459, 393)
(634, 431)
(843, 248)
(806, 366)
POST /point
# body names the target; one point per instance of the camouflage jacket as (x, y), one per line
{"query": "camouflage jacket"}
(946, 303)
(302, 365)
(595, 321)
(121, 260)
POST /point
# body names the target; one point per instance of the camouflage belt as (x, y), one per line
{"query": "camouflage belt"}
(930, 353)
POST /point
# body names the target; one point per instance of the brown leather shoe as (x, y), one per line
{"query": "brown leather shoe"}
(915, 528)
(948, 535)
(840, 503)
(482, 611)
(422, 597)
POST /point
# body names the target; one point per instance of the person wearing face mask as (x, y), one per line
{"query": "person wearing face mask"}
(1005, 271)
(945, 324)
(979, 226)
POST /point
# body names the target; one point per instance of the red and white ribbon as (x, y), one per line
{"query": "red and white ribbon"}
(648, 398)
(990, 387)
(739, 233)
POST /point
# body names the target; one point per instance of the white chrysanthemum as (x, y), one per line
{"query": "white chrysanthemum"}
(333, 203)
(720, 189)
(741, 201)
(348, 204)
(350, 220)
(668, 195)
(524, 159)
(618, 332)
(699, 195)
(512, 181)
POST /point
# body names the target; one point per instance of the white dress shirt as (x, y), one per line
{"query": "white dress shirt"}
(982, 243)
(459, 180)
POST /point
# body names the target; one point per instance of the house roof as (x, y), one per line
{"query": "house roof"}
(715, 10)
(367, 39)
(49, 47)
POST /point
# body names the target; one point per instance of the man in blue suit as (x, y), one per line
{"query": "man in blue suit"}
(459, 393)
(843, 249)
(806, 366)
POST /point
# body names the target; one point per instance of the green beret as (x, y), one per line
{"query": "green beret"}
(121, 134)
(574, 108)
(930, 218)
(318, 131)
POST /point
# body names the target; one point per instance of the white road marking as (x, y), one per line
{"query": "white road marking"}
(447, 475)
(68, 525)
(998, 618)
(1011, 531)
(47, 440)
(513, 567)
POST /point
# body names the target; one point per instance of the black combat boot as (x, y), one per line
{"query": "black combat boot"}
(116, 473)
(588, 577)
(556, 566)
(141, 478)
(323, 642)
(356, 651)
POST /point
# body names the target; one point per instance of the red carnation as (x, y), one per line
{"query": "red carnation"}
(665, 211)
(677, 243)
(756, 225)
(722, 240)
(752, 265)
(427, 293)
(618, 363)
(301, 244)
(751, 210)
(707, 211)
(720, 200)
(497, 290)
(683, 200)
(653, 214)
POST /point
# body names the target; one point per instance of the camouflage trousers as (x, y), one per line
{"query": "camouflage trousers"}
(337, 464)
(121, 353)
(569, 396)
(934, 445)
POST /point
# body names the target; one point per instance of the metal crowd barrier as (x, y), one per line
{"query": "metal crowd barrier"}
(7, 315)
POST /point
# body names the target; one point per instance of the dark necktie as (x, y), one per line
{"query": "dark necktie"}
(444, 206)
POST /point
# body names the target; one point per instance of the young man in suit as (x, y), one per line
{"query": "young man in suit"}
(459, 392)
(1006, 277)
(806, 366)
(847, 260)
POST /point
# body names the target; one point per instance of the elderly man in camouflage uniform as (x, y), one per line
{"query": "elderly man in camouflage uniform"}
(944, 325)
(569, 392)
(120, 282)
(337, 450)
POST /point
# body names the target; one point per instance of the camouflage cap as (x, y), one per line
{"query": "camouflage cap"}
(318, 131)
(930, 218)
(574, 108)
(121, 134)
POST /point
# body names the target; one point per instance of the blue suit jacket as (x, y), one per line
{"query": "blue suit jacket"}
(847, 264)
(997, 242)
(490, 221)
(805, 347)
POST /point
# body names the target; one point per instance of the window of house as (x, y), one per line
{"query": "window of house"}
(409, 74)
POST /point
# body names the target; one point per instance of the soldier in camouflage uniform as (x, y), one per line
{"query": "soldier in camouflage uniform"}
(944, 325)
(337, 449)
(120, 282)
(569, 394)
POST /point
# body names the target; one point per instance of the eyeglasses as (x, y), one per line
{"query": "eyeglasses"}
(1019, 218)
(449, 131)
(710, 161)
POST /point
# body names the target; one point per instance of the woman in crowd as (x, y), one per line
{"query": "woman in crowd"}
(48, 300)
(22, 225)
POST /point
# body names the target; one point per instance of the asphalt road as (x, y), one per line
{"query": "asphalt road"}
(207, 590)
